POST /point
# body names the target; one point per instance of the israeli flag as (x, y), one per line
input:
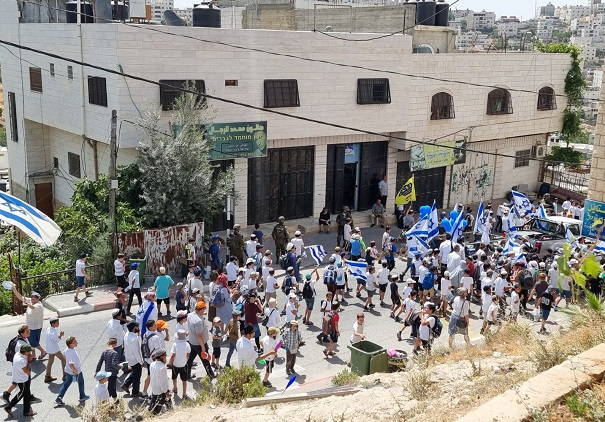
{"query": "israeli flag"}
(600, 247)
(421, 246)
(521, 204)
(358, 269)
(520, 258)
(480, 219)
(457, 228)
(569, 237)
(511, 246)
(512, 228)
(541, 213)
(30, 220)
(420, 229)
(318, 253)
(433, 223)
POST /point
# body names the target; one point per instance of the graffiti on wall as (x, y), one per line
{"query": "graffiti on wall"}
(162, 247)
(472, 183)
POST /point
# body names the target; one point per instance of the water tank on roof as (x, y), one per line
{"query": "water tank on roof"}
(71, 8)
(442, 14)
(119, 13)
(425, 13)
(207, 15)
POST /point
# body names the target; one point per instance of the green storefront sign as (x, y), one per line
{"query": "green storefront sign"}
(238, 140)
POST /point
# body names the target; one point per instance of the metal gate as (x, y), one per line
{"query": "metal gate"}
(281, 184)
(429, 183)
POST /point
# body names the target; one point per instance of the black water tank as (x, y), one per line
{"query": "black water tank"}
(425, 13)
(207, 15)
(119, 13)
(71, 8)
(442, 17)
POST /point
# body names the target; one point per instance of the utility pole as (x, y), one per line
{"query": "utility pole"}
(113, 183)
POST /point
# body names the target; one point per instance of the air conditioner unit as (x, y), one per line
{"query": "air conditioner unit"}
(538, 151)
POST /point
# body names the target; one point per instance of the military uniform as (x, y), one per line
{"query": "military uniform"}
(235, 243)
(341, 219)
(280, 236)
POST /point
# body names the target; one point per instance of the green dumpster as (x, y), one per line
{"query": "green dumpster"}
(142, 261)
(367, 358)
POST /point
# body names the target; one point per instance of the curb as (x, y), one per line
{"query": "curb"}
(261, 401)
(85, 308)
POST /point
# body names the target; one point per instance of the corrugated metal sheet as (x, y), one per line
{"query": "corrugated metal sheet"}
(162, 247)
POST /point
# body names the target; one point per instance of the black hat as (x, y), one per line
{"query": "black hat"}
(248, 330)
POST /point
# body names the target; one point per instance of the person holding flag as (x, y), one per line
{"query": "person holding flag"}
(407, 193)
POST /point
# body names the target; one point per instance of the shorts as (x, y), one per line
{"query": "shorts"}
(310, 301)
(80, 281)
(182, 372)
(544, 313)
(426, 344)
(370, 292)
(333, 337)
(361, 282)
(429, 292)
(166, 300)
(34, 337)
(148, 366)
(445, 297)
(382, 287)
(216, 352)
(230, 283)
(269, 366)
(566, 294)
(396, 300)
(121, 281)
(340, 286)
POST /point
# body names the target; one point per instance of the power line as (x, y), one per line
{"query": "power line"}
(237, 103)
(328, 62)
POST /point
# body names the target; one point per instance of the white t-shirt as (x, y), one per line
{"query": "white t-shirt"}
(101, 392)
(564, 280)
(52, 341)
(385, 237)
(357, 328)
(566, 205)
(274, 317)
(80, 265)
(383, 276)
(422, 270)
(34, 318)
(328, 307)
(246, 355)
(271, 281)
(71, 356)
(269, 344)
(290, 306)
(370, 282)
(460, 307)
(19, 362)
(118, 267)
(486, 301)
(409, 306)
(486, 281)
(425, 330)
(514, 302)
(180, 349)
(231, 271)
(251, 247)
(553, 276)
(445, 286)
(493, 307)
(133, 279)
(406, 292)
(417, 263)
(299, 244)
(499, 286)
(467, 283)
(347, 232)
(444, 250)
(340, 276)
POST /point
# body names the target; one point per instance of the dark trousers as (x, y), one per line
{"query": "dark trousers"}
(290, 361)
(134, 292)
(156, 403)
(524, 294)
(498, 227)
(134, 378)
(25, 394)
(196, 350)
(120, 351)
(340, 235)
(230, 352)
(383, 199)
(112, 381)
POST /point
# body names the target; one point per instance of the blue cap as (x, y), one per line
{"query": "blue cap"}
(214, 237)
(102, 375)
(134, 265)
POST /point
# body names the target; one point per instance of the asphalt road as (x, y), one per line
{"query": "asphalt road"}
(313, 368)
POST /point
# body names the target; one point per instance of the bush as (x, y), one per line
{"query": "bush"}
(345, 377)
(418, 383)
(235, 384)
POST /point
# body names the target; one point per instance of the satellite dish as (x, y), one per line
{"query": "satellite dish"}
(328, 29)
(424, 49)
(171, 19)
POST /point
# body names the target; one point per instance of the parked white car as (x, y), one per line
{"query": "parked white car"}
(549, 233)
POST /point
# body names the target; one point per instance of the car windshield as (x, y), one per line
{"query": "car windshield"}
(545, 226)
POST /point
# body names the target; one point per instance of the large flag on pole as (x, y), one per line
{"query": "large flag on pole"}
(480, 219)
(521, 204)
(318, 253)
(433, 223)
(30, 220)
(420, 229)
(457, 227)
(570, 238)
(407, 193)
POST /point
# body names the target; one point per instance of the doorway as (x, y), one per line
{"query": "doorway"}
(349, 186)
(45, 198)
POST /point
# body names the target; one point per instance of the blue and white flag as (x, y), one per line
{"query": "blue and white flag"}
(570, 238)
(521, 204)
(480, 219)
(511, 246)
(520, 257)
(318, 253)
(457, 227)
(358, 269)
(420, 245)
(512, 225)
(541, 213)
(433, 223)
(30, 220)
(420, 229)
(600, 247)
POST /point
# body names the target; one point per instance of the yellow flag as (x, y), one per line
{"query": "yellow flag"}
(407, 193)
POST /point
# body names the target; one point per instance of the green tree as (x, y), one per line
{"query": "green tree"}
(567, 155)
(2, 136)
(177, 182)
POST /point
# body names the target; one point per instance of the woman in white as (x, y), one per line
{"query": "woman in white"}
(273, 314)
(460, 311)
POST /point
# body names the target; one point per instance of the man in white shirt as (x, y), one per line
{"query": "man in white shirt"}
(53, 338)
(21, 376)
(134, 357)
(251, 246)
(382, 278)
(246, 355)
(155, 341)
(500, 286)
(119, 265)
(383, 187)
(115, 329)
(445, 249)
(298, 242)
(160, 389)
(453, 265)
(566, 205)
(291, 308)
(34, 319)
(81, 276)
(232, 270)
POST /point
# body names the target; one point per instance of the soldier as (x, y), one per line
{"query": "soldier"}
(280, 236)
(341, 221)
(235, 243)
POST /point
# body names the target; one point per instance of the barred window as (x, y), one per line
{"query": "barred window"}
(52, 69)
(35, 79)
(547, 99)
(97, 91)
(12, 115)
(281, 93)
(499, 102)
(442, 106)
(73, 164)
(70, 72)
(373, 91)
(522, 158)
(170, 90)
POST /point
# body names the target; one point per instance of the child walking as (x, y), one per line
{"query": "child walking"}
(217, 340)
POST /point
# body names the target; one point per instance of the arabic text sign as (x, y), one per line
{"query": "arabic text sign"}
(238, 140)
(594, 219)
(431, 156)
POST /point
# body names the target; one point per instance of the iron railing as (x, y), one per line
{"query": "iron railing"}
(63, 281)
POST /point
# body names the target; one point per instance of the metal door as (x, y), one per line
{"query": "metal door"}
(45, 198)
(429, 183)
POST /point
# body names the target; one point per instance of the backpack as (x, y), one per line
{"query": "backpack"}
(258, 259)
(145, 351)
(527, 280)
(283, 261)
(437, 328)
(307, 291)
(279, 232)
(217, 298)
(330, 323)
(330, 275)
(10, 350)
(477, 273)
(287, 284)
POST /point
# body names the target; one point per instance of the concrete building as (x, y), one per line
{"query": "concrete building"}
(548, 10)
(508, 26)
(158, 7)
(482, 20)
(569, 13)
(473, 41)
(58, 113)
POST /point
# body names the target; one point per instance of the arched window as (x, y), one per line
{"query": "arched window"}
(499, 102)
(547, 99)
(442, 106)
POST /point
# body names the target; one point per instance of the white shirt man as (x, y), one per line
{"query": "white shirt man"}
(422, 270)
(118, 268)
(383, 187)
(80, 266)
(453, 262)
(231, 271)
(298, 242)
(251, 246)
(444, 250)
(180, 350)
(132, 349)
(116, 330)
(53, 340)
(566, 205)
(383, 276)
(500, 284)
(246, 355)
(155, 341)
(553, 276)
